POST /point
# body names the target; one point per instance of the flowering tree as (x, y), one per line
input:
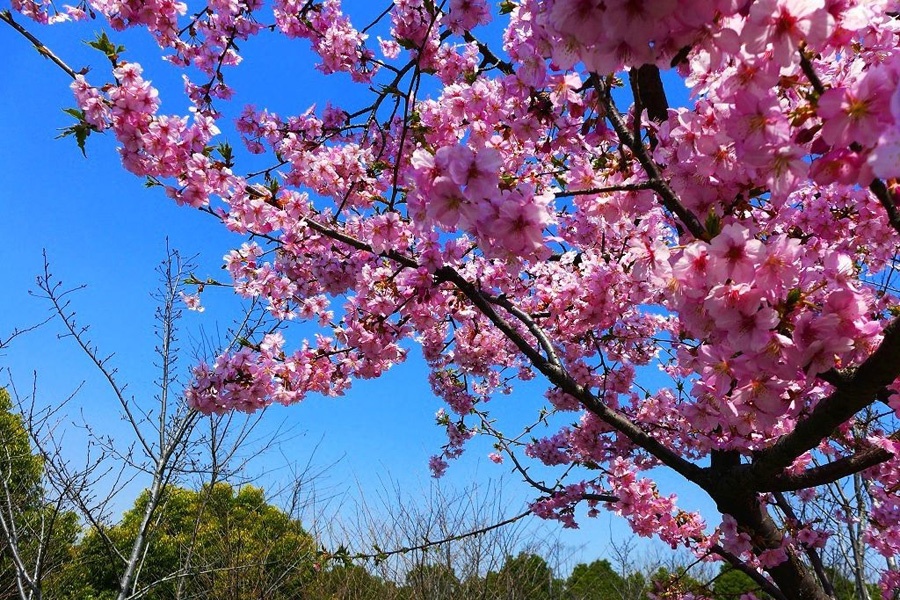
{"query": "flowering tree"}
(518, 215)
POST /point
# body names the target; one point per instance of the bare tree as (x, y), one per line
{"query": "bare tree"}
(442, 542)
(168, 446)
(36, 529)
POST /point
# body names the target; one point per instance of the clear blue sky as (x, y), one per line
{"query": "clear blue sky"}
(102, 228)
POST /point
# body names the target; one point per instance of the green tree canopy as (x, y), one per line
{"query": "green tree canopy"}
(349, 582)
(526, 576)
(731, 584)
(38, 531)
(431, 582)
(220, 542)
(665, 584)
(595, 581)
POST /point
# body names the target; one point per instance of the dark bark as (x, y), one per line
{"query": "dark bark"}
(793, 577)
(859, 390)
(652, 94)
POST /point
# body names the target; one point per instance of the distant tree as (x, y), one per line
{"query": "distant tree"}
(434, 581)
(845, 586)
(526, 576)
(36, 533)
(731, 584)
(242, 548)
(667, 584)
(595, 581)
(349, 582)
(168, 445)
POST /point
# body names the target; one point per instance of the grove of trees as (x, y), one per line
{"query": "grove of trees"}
(705, 289)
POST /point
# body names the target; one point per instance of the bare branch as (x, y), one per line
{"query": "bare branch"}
(830, 472)
(53, 292)
(43, 50)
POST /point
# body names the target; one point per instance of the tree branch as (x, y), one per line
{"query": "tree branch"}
(6, 17)
(562, 379)
(432, 543)
(627, 187)
(667, 196)
(60, 304)
(813, 556)
(533, 327)
(859, 390)
(758, 578)
(830, 472)
(651, 92)
(888, 200)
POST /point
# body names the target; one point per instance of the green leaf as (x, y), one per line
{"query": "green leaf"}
(713, 224)
(105, 45)
(225, 151)
(507, 7)
(406, 43)
(78, 114)
(80, 132)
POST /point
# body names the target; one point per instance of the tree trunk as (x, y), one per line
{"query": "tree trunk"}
(793, 577)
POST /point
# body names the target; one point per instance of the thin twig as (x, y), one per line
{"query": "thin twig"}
(6, 16)
(432, 543)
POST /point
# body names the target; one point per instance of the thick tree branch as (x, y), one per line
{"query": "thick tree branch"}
(830, 472)
(651, 91)
(888, 200)
(656, 180)
(758, 578)
(858, 391)
(814, 559)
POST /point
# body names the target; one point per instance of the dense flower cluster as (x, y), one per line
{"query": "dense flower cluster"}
(504, 210)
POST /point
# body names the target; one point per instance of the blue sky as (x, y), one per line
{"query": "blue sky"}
(102, 228)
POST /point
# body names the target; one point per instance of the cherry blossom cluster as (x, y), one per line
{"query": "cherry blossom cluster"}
(152, 145)
(459, 189)
(743, 298)
(251, 378)
(161, 17)
(651, 513)
(341, 47)
(607, 36)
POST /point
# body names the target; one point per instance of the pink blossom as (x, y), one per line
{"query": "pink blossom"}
(686, 285)
(734, 255)
(785, 24)
(192, 302)
(438, 466)
(885, 158)
(467, 14)
(853, 114)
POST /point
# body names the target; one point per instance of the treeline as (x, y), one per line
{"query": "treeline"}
(224, 543)
(227, 542)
